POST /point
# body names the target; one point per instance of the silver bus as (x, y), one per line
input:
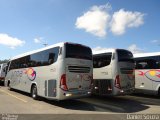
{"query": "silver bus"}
(113, 72)
(3, 67)
(61, 71)
(147, 73)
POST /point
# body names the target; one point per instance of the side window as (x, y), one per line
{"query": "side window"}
(22, 63)
(44, 58)
(12, 66)
(151, 64)
(53, 55)
(101, 60)
(158, 61)
(141, 64)
(147, 63)
(35, 60)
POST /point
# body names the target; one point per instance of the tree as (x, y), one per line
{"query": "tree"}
(3, 61)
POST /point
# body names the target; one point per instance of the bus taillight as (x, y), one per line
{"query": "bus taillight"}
(63, 84)
(117, 82)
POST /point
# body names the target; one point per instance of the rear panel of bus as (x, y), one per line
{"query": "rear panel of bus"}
(76, 79)
(102, 74)
(124, 76)
(113, 73)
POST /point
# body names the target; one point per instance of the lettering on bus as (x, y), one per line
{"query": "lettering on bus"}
(30, 72)
(18, 73)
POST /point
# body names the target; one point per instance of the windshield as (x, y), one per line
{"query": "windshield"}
(78, 51)
(124, 55)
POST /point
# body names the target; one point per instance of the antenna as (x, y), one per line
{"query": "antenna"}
(45, 44)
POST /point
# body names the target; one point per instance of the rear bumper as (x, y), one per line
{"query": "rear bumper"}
(66, 95)
(126, 91)
(74, 94)
(102, 87)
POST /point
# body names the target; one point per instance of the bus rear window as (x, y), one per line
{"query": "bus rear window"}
(78, 51)
(124, 55)
(101, 60)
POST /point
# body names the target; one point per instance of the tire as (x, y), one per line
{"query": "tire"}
(34, 94)
(159, 92)
(1, 83)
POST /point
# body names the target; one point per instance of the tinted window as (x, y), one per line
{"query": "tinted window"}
(152, 62)
(124, 55)
(78, 51)
(101, 60)
(43, 58)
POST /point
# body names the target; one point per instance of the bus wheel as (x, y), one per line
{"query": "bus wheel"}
(159, 92)
(34, 92)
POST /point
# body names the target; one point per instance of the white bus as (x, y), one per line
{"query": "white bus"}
(147, 73)
(113, 72)
(3, 72)
(61, 71)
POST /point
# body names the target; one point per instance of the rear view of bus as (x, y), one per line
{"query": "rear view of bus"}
(76, 77)
(2, 72)
(113, 72)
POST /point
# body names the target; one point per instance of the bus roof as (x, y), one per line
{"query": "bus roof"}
(107, 50)
(45, 48)
(103, 51)
(38, 50)
(146, 54)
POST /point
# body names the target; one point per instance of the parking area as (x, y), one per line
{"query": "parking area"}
(17, 102)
